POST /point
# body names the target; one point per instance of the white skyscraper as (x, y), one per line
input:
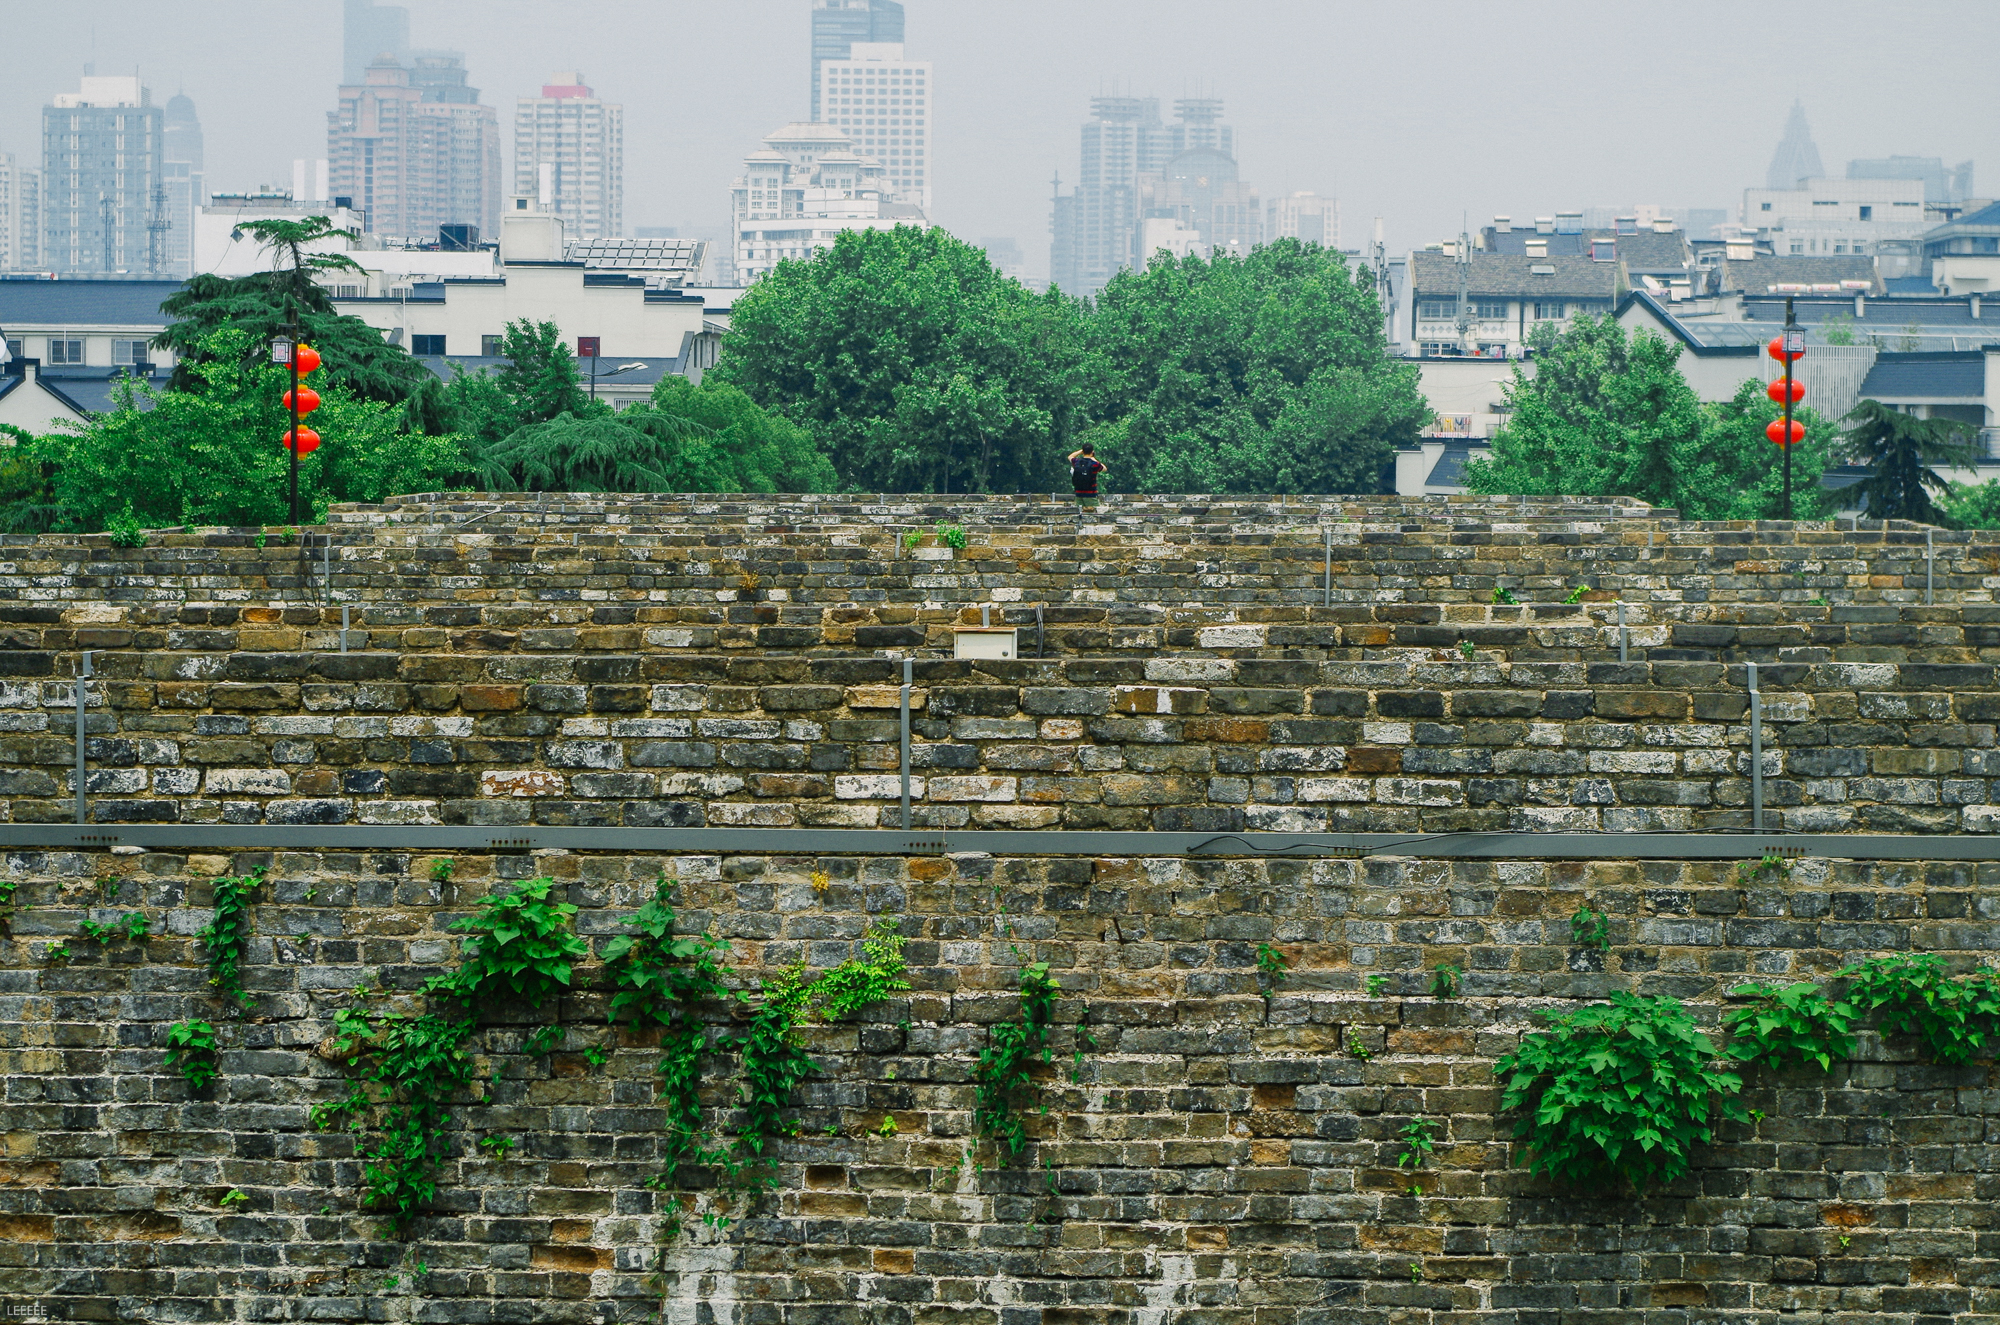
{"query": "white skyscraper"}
(20, 215)
(882, 103)
(1305, 216)
(582, 141)
(801, 191)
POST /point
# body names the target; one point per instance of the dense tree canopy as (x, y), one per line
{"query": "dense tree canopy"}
(913, 364)
(1261, 373)
(1601, 413)
(212, 455)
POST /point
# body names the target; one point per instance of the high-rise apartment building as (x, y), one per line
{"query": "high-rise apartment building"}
(102, 186)
(582, 142)
(1147, 184)
(414, 149)
(368, 32)
(20, 214)
(839, 25)
(181, 166)
(882, 102)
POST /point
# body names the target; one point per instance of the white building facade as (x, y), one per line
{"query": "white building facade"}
(802, 191)
(1826, 217)
(882, 103)
(577, 141)
(1305, 216)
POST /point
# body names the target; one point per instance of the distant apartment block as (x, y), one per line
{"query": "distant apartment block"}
(102, 180)
(576, 142)
(838, 26)
(1307, 217)
(413, 149)
(20, 214)
(1829, 217)
(801, 191)
(881, 101)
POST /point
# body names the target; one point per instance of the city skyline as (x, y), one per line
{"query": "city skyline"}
(1014, 92)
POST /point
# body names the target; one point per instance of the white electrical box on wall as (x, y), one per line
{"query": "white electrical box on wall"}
(986, 642)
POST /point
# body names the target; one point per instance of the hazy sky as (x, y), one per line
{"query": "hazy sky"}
(1417, 113)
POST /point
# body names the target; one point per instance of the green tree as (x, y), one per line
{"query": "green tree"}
(539, 383)
(213, 455)
(912, 363)
(1899, 450)
(1972, 506)
(1600, 414)
(1260, 373)
(708, 438)
(264, 305)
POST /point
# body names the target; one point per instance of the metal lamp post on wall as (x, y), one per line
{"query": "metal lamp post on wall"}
(1787, 391)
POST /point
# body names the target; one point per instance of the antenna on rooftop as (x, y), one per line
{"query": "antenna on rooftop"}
(1465, 339)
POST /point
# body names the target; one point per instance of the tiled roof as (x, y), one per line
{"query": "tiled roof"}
(1927, 376)
(1654, 252)
(1449, 471)
(84, 303)
(1509, 275)
(1757, 275)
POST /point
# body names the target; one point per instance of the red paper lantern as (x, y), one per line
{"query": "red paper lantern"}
(1776, 349)
(308, 441)
(308, 400)
(1775, 430)
(1776, 391)
(308, 358)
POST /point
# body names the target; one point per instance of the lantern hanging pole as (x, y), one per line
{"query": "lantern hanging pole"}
(293, 441)
(1790, 322)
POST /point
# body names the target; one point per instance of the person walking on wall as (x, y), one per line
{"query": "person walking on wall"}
(1084, 467)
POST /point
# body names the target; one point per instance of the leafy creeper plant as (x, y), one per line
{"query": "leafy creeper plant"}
(520, 944)
(1623, 1089)
(191, 1050)
(1590, 928)
(1789, 1024)
(1953, 1017)
(228, 931)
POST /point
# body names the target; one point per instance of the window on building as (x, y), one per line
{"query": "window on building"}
(1548, 310)
(422, 346)
(1489, 310)
(128, 351)
(489, 346)
(1798, 247)
(1436, 308)
(1765, 207)
(65, 351)
(1867, 213)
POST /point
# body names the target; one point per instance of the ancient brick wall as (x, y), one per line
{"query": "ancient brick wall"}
(1221, 1159)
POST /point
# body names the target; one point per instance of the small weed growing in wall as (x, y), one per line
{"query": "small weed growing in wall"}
(500, 1147)
(1444, 981)
(1005, 1068)
(441, 870)
(191, 1051)
(7, 887)
(1590, 928)
(1272, 968)
(1576, 594)
(951, 535)
(1467, 651)
(133, 927)
(227, 932)
(1419, 1143)
(1789, 1024)
(233, 1198)
(1622, 1089)
(1376, 984)
(1953, 1017)
(1501, 594)
(1777, 869)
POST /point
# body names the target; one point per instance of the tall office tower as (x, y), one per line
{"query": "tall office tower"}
(1796, 158)
(882, 103)
(370, 30)
(582, 141)
(1098, 226)
(415, 150)
(1305, 216)
(20, 214)
(102, 187)
(838, 25)
(181, 165)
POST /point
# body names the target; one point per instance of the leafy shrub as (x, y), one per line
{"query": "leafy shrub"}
(853, 985)
(410, 1067)
(1621, 1088)
(522, 945)
(1793, 1023)
(191, 1050)
(1952, 1016)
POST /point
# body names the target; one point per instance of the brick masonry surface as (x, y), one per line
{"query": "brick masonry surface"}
(1221, 1159)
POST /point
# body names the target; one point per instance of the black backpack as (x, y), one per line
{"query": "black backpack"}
(1083, 471)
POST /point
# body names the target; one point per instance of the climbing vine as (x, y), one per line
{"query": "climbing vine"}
(521, 944)
(1953, 1017)
(228, 931)
(1006, 1065)
(1788, 1024)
